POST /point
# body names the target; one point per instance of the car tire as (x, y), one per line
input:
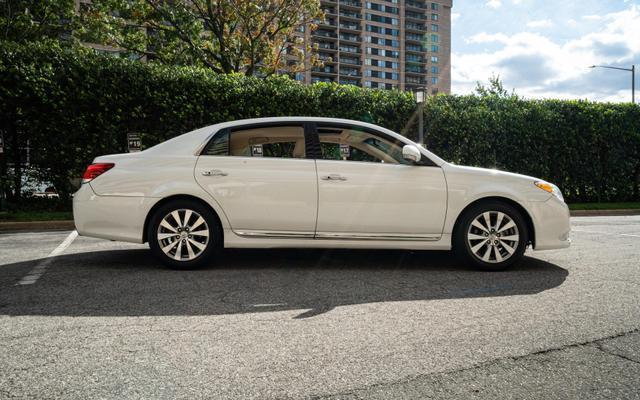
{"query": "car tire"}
(491, 236)
(184, 234)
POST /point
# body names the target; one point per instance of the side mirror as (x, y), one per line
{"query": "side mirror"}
(411, 153)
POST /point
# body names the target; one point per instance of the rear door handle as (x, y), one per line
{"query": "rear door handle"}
(333, 177)
(214, 172)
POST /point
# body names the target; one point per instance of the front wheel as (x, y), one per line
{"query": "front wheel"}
(184, 234)
(491, 236)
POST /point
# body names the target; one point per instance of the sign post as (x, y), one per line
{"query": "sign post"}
(134, 142)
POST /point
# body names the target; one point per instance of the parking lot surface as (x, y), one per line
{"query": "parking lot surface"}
(87, 318)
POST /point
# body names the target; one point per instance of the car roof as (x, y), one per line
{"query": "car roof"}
(191, 143)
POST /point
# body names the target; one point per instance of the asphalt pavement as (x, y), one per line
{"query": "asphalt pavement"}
(87, 318)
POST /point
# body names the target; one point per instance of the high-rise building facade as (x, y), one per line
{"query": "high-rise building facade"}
(387, 44)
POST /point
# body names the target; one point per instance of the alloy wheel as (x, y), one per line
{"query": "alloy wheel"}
(183, 235)
(493, 237)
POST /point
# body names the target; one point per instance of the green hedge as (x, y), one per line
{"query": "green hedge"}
(590, 150)
(73, 105)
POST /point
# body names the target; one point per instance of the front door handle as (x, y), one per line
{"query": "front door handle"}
(214, 172)
(333, 177)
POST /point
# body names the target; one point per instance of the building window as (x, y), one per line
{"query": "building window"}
(435, 48)
(434, 80)
(435, 6)
(434, 17)
(434, 59)
(434, 28)
(435, 38)
(435, 70)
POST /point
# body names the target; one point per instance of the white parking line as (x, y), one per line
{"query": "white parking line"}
(605, 233)
(39, 269)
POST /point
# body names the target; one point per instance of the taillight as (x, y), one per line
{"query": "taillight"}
(95, 170)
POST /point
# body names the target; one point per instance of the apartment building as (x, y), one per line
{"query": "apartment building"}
(384, 44)
(387, 44)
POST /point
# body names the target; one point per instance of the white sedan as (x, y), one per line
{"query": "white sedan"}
(313, 183)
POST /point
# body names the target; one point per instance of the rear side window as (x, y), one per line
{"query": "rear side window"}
(281, 141)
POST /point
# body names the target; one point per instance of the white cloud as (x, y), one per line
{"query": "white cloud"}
(572, 23)
(455, 16)
(538, 66)
(494, 3)
(541, 23)
(592, 17)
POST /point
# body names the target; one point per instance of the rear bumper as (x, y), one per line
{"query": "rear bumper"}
(551, 223)
(110, 217)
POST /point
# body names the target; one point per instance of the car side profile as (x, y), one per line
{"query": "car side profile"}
(313, 183)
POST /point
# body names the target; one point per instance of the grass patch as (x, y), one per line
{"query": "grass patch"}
(605, 206)
(25, 216)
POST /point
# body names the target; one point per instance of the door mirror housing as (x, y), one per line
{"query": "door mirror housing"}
(411, 153)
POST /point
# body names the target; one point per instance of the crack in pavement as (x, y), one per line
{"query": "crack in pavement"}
(597, 343)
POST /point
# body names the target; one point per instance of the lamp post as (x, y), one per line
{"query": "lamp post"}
(633, 77)
(421, 94)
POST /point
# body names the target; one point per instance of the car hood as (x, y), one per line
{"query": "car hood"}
(490, 173)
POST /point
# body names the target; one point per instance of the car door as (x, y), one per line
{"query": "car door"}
(260, 176)
(367, 190)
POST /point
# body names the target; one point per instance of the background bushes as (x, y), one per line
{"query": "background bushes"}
(72, 105)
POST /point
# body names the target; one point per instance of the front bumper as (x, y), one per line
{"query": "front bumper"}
(551, 224)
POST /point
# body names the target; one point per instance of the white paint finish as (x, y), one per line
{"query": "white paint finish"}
(110, 217)
(263, 194)
(381, 198)
(285, 195)
(41, 267)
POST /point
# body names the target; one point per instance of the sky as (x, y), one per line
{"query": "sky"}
(543, 48)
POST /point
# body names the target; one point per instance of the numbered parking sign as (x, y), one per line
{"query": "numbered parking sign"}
(134, 142)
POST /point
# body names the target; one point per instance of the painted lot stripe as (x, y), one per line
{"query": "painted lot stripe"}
(40, 269)
(605, 233)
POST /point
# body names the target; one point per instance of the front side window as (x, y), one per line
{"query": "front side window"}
(354, 143)
(282, 141)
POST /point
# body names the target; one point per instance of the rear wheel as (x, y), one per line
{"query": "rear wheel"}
(491, 236)
(184, 234)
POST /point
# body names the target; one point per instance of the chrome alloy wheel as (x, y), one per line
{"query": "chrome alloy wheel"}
(493, 237)
(183, 235)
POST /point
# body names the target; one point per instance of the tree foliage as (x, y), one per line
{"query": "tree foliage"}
(226, 36)
(29, 20)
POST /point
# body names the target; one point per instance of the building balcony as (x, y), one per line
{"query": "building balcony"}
(354, 73)
(350, 82)
(415, 16)
(415, 5)
(324, 70)
(350, 38)
(351, 27)
(415, 49)
(415, 71)
(350, 3)
(325, 34)
(414, 37)
(351, 50)
(350, 61)
(410, 26)
(350, 14)
(326, 46)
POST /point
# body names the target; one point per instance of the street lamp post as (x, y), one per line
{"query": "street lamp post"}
(420, 94)
(633, 77)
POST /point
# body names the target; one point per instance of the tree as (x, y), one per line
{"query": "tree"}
(30, 20)
(495, 88)
(226, 36)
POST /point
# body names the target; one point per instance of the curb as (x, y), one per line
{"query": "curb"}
(604, 213)
(36, 226)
